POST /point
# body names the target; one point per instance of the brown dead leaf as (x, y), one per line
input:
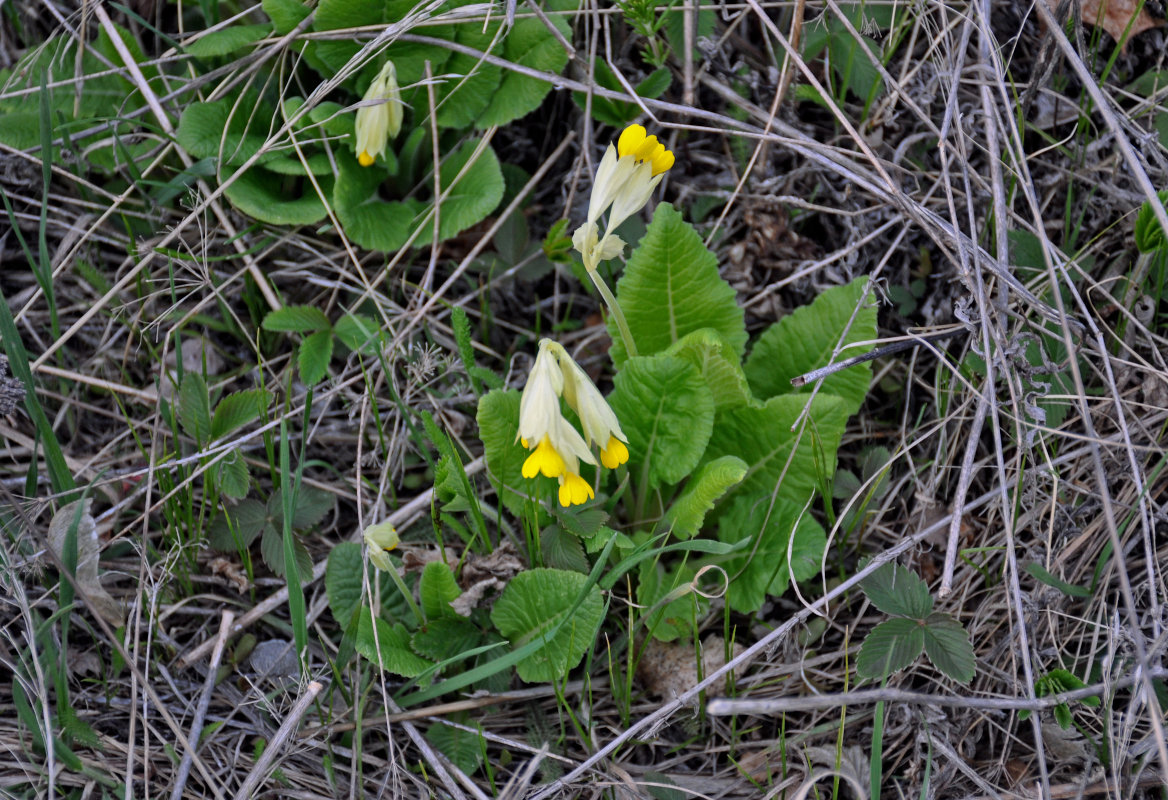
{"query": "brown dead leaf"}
(226, 568)
(503, 563)
(76, 518)
(1114, 15)
(469, 600)
(670, 670)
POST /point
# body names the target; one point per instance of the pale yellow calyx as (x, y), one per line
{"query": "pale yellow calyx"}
(381, 538)
(379, 118)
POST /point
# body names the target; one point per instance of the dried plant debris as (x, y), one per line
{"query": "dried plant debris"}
(75, 520)
(11, 390)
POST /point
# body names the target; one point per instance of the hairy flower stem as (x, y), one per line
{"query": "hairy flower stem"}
(614, 309)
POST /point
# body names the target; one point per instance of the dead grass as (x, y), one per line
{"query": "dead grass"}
(981, 484)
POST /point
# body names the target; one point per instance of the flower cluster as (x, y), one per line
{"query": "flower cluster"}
(379, 118)
(557, 448)
(625, 179)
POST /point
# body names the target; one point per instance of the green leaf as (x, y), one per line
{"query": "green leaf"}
(313, 357)
(855, 67)
(671, 287)
(309, 507)
(761, 568)
(1149, 235)
(231, 475)
(897, 590)
(947, 646)
(667, 411)
(775, 456)
(228, 40)
(358, 332)
(1069, 589)
(230, 130)
(342, 581)
(467, 92)
(498, 420)
(536, 601)
(238, 409)
(272, 552)
(891, 646)
(388, 647)
(369, 221)
(619, 113)
(296, 319)
(444, 638)
(437, 589)
(194, 407)
(562, 550)
(805, 339)
(467, 200)
(285, 14)
(720, 366)
(714, 479)
(464, 748)
(258, 193)
(528, 44)
(246, 522)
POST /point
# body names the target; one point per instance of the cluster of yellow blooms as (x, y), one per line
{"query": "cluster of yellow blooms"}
(557, 448)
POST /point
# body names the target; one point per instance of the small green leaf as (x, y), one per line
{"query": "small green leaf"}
(238, 409)
(342, 581)
(805, 340)
(358, 332)
(464, 748)
(444, 638)
(498, 421)
(947, 646)
(194, 407)
(719, 365)
(667, 412)
(562, 550)
(285, 14)
(231, 475)
(369, 221)
(437, 589)
(246, 522)
(896, 590)
(1149, 235)
(272, 552)
(388, 647)
(313, 357)
(533, 603)
(671, 287)
(714, 479)
(1038, 572)
(228, 40)
(891, 646)
(310, 506)
(296, 319)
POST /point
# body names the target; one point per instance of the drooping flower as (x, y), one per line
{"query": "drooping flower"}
(627, 175)
(557, 448)
(379, 118)
(381, 538)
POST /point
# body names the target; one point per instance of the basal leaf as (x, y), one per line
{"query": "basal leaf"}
(437, 589)
(667, 411)
(891, 646)
(947, 646)
(443, 638)
(230, 130)
(388, 646)
(238, 409)
(194, 407)
(272, 551)
(897, 590)
(671, 287)
(533, 604)
(470, 81)
(762, 568)
(498, 420)
(464, 748)
(278, 200)
(720, 366)
(714, 479)
(762, 437)
(285, 14)
(562, 550)
(227, 40)
(342, 581)
(369, 221)
(528, 44)
(308, 508)
(467, 198)
(313, 356)
(246, 522)
(805, 340)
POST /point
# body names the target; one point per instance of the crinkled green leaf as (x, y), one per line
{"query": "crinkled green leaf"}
(388, 646)
(890, 647)
(720, 366)
(437, 589)
(310, 506)
(464, 748)
(261, 194)
(702, 491)
(947, 645)
(231, 475)
(272, 551)
(313, 356)
(533, 603)
(498, 421)
(805, 340)
(227, 40)
(247, 521)
(238, 409)
(762, 437)
(296, 319)
(528, 44)
(671, 287)
(897, 590)
(762, 568)
(667, 412)
(194, 407)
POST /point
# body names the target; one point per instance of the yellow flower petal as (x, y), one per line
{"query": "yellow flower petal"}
(544, 459)
(365, 159)
(615, 454)
(630, 139)
(574, 490)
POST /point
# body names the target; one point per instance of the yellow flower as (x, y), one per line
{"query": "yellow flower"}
(625, 179)
(601, 427)
(379, 118)
(574, 490)
(381, 538)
